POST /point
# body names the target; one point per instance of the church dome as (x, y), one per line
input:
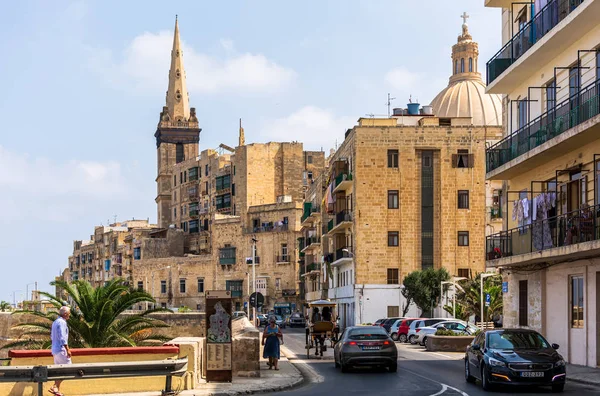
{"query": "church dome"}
(465, 94)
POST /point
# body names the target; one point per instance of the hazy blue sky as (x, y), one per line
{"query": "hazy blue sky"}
(82, 84)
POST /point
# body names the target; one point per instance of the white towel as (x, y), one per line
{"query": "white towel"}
(525, 208)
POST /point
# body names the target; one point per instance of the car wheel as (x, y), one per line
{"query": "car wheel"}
(402, 338)
(344, 367)
(468, 377)
(557, 388)
(485, 381)
(423, 343)
(337, 365)
(412, 339)
(395, 336)
(393, 368)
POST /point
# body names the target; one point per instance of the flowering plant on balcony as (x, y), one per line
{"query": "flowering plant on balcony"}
(497, 253)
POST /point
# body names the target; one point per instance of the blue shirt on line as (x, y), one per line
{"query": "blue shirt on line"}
(59, 335)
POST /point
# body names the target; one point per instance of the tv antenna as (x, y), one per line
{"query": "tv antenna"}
(389, 103)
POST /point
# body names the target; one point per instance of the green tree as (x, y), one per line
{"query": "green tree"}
(5, 306)
(423, 288)
(94, 320)
(469, 300)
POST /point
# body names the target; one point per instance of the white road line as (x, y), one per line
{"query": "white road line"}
(445, 387)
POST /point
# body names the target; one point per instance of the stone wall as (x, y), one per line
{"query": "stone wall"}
(535, 284)
(246, 348)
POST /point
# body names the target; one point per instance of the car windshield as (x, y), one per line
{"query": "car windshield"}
(296, 316)
(278, 317)
(369, 333)
(516, 340)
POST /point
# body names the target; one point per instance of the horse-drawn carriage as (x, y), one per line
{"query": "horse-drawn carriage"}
(321, 330)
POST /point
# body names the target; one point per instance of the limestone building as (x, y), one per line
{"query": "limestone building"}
(548, 70)
(402, 194)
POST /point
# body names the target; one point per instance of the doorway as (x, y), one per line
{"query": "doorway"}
(598, 319)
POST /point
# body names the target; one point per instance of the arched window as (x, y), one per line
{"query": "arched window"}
(456, 66)
(462, 65)
(470, 64)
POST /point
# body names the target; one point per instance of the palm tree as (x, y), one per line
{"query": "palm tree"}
(94, 321)
(4, 306)
(470, 300)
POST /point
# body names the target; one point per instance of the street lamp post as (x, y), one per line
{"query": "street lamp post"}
(254, 240)
(27, 289)
(454, 283)
(15, 298)
(483, 276)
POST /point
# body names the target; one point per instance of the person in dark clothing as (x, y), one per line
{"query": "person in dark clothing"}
(316, 316)
(326, 314)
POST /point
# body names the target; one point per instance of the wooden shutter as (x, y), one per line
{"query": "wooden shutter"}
(454, 160)
(471, 163)
(523, 303)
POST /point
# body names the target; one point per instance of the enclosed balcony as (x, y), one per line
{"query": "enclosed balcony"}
(227, 256)
(547, 35)
(569, 125)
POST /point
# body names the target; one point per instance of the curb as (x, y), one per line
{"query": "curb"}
(583, 381)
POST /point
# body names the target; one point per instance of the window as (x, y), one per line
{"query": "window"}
(185, 176)
(180, 177)
(284, 249)
(310, 175)
(140, 286)
(137, 253)
(392, 158)
(456, 66)
(175, 213)
(523, 303)
(522, 113)
(462, 65)
(233, 189)
(551, 95)
(163, 286)
(174, 180)
(181, 285)
(393, 199)
(463, 238)
(206, 169)
(179, 156)
(310, 159)
(462, 159)
(464, 273)
(235, 287)
(470, 65)
(393, 238)
(392, 276)
(184, 226)
(223, 182)
(393, 311)
(200, 285)
(577, 301)
(463, 199)
(163, 305)
(277, 283)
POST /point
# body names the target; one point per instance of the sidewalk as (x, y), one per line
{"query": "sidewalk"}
(287, 377)
(583, 374)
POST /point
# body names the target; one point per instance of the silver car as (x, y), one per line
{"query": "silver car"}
(365, 346)
(415, 327)
(457, 326)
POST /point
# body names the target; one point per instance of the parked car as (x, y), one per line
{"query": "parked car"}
(238, 314)
(387, 324)
(262, 319)
(457, 326)
(297, 319)
(379, 322)
(514, 357)
(399, 330)
(280, 321)
(365, 346)
(417, 324)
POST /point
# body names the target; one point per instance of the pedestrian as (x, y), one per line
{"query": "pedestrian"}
(316, 316)
(270, 340)
(60, 344)
(307, 327)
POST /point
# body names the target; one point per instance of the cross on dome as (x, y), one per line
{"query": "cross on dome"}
(465, 16)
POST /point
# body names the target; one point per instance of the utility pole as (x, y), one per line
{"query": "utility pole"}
(254, 277)
(389, 103)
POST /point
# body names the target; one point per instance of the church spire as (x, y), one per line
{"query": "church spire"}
(177, 95)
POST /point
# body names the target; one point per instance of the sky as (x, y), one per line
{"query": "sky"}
(82, 84)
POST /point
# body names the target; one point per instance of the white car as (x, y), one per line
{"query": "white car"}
(416, 325)
(457, 326)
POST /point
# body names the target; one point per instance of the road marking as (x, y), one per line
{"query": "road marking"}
(313, 376)
(445, 387)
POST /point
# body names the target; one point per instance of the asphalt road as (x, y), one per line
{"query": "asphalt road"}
(419, 373)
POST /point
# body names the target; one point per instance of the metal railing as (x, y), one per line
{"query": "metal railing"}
(343, 252)
(542, 23)
(567, 229)
(83, 371)
(342, 216)
(267, 228)
(342, 177)
(564, 116)
(309, 211)
(283, 259)
(311, 240)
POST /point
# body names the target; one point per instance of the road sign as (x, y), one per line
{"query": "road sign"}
(487, 299)
(504, 287)
(257, 300)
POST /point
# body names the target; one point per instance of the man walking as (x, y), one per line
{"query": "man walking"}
(60, 343)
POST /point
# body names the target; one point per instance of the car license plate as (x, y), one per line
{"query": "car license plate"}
(532, 374)
(371, 348)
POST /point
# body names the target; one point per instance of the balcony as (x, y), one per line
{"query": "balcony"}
(552, 31)
(194, 213)
(267, 228)
(249, 260)
(568, 126)
(310, 213)
(569, 236)
(343, 182)
(342, 222)
(342, 255)
(227, 256)
(285, 259)
(495, 212)
(311, 243)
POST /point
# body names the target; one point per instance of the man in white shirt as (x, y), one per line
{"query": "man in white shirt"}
(60, 343)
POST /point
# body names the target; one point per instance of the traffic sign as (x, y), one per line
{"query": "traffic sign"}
(488, 299)
(504, 287)
(257, 300)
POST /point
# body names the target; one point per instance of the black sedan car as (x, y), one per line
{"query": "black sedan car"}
(365, 346)
(514, 357)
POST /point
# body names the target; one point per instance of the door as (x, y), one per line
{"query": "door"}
(598, 319)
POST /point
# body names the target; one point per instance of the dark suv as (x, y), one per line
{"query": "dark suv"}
(387, 324)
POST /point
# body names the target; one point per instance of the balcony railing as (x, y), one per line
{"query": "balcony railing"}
(342, 177)
(567, 229)
(313, 239)
(343, 253)
(267, 228)
(566, 115)
(342, 216)
(312, 267)
(330, 225)
(542, 23)
(193, 213)
(309, 210)
(495, 212)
